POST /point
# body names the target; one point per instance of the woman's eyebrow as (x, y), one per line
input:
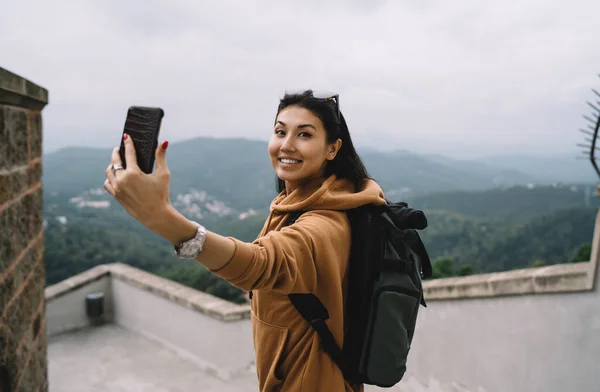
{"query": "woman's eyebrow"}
(299, 126)
(307, 126)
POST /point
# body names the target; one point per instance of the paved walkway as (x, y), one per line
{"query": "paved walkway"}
(113, 359)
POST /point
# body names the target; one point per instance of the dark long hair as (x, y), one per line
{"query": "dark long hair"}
(346, 164)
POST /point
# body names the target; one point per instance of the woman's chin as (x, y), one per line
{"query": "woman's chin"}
(286, 177)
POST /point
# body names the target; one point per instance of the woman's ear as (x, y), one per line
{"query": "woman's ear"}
(334, 148)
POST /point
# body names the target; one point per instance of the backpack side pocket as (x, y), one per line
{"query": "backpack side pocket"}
(390, 331)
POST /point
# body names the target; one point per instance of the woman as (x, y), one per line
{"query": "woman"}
(318, 172)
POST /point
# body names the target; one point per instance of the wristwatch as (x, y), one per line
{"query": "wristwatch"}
(191, 248)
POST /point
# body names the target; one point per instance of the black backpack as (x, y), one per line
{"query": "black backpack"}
(387, 262)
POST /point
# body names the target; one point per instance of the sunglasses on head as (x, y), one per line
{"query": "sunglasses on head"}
(324, 96)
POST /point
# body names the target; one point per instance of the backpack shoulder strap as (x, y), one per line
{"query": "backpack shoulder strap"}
(315, 313)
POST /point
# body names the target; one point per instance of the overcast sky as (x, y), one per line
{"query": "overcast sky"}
(458, 78)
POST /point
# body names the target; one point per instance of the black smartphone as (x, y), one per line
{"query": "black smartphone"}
(142, 124)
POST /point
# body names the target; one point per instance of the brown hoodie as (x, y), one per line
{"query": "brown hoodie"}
(310, 256)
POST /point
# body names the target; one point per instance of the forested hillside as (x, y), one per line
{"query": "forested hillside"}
(476, 240)
(514, 203)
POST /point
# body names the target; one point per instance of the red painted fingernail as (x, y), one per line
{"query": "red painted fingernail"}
(124, 136)
(165, 144)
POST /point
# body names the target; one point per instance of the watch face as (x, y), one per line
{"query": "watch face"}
(191, 248)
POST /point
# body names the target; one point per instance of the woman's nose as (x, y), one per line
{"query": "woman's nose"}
(287, 145)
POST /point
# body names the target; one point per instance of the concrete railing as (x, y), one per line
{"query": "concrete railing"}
(560, 278)
(200, 327)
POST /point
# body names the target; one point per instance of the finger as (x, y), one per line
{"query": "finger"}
(115, 157)
(130, 157)
(110, 175)
(109, 188)
(161, 157)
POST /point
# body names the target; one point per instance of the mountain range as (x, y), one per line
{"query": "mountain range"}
(238, 171)
(485, 215)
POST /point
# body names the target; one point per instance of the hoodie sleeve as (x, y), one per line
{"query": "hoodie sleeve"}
(315, 247)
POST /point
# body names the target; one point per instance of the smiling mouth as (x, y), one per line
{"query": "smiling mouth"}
(289, 161)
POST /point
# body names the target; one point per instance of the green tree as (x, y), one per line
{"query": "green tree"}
(466, 269)
(584, 253)
(443, 268)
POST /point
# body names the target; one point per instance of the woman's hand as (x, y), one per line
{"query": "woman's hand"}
(144, 196)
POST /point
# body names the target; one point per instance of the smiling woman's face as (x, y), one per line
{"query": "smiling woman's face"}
(298, 147)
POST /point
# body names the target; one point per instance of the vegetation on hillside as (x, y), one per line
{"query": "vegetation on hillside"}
(469, 231)
(458, 244)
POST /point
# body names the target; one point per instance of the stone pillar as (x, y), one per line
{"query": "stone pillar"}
(23, 340)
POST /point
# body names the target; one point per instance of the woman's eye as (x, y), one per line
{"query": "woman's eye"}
(279, 132)
(305, 134)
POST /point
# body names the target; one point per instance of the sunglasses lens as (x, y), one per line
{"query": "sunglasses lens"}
(324, 94)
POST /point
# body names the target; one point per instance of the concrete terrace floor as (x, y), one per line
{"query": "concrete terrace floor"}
(112, 359)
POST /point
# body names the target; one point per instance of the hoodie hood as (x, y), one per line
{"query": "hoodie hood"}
(328, 194)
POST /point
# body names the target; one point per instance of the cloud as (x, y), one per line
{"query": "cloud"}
(462, 78)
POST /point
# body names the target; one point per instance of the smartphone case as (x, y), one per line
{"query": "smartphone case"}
(143, 126)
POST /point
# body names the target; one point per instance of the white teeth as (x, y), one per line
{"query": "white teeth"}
(290, 161)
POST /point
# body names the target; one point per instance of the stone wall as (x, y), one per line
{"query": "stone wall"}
(23, 341)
